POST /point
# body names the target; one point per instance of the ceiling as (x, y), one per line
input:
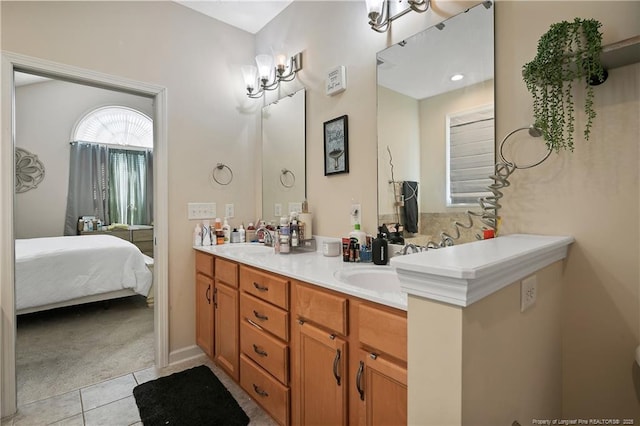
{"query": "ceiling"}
(248, 15)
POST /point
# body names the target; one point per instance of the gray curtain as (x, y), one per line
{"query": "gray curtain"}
(88, 184)
(131, 186)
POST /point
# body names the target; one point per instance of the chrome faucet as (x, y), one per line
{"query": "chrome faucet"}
(268, 236)
(412, 247)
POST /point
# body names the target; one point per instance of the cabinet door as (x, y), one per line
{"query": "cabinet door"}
(322, 377)
(382, 386)
(204, 313)
(226, 329)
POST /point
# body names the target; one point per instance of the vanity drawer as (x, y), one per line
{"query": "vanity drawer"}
(323, 308)
(265, 286)
(204, 263)
(383, 330)
(227, 272)
(266, 351)
(267, 391)
(269, 317)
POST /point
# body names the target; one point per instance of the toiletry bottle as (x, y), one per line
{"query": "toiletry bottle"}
(251, 233)
(243, 233)
(294, 234)
(235, 236)
(361, 236)
(219, 232)
(284, 235)
(206, 233)
(226, 229)
(197, 235)
(380, 249)
(276, 241)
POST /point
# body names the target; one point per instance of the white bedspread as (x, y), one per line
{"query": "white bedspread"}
(57, 269)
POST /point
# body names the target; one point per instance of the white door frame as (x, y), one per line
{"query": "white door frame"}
(11, 61)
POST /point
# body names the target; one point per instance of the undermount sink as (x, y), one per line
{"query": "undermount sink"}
(243, 248)
(370, 277)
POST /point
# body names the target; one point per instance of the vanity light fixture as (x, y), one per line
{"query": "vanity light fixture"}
(269, 72)
(381, 14)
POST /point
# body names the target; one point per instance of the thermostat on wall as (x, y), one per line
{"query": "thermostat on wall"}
(336, 80)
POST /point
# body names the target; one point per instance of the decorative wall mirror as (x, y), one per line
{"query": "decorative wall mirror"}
(443, 72)
(283, 156)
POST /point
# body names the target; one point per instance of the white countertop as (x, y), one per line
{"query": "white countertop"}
(469, 272)
(459, 275)
(313, 268)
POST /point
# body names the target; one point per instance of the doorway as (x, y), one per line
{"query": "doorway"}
(11, 63)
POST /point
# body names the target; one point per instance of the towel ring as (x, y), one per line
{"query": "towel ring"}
(221, 166)
(284, 173)
(533, 132)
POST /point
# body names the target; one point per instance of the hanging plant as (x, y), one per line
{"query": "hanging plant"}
(569, 51)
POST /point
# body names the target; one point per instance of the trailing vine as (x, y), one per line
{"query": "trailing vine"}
(567, 52)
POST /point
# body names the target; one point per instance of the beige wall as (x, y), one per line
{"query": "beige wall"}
(487, 364)
(209, 119)
(591, 194)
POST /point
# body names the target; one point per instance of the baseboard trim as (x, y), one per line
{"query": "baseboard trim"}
(185, 354)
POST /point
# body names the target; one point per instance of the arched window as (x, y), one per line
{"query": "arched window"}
(111, 168)
(115, 125)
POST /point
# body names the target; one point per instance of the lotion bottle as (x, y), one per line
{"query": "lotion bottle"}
(361, 236)
(226, 229)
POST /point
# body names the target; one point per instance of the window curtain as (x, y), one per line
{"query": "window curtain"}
(88, 184)
(131, 186)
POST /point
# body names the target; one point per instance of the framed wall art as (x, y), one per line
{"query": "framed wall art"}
(336, 146)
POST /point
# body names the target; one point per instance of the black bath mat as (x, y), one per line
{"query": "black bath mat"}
(190, 397)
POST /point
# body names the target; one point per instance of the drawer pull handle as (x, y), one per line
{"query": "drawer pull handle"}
(259, 351)
(260, 287)
(260, 316)
(336, 361)
(359, 380)
(254, 324)
(259, 391)
(208, 294)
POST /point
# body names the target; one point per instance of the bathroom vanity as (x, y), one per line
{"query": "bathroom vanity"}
(317, 340)
(303, 336)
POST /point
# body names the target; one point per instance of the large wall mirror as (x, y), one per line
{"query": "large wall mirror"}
(283, 156)
(436, 137)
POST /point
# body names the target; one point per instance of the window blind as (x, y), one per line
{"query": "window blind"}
(470, 156)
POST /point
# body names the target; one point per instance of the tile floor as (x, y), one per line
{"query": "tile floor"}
(111, 402)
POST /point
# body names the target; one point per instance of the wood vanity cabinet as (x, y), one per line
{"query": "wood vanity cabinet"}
(381, 374)
(306, 354)
(217, 311)
(204, 302)
(349, 362)
(264, 340)
(226, 307)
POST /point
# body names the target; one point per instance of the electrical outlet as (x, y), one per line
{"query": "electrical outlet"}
(528, 292)
(277, 210)
(295, 207)
(229, 211)
(356, 214)
(201, 210)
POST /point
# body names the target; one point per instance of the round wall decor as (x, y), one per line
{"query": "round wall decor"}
(29, 170)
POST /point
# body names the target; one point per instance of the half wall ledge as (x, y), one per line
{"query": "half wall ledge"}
(461, 275)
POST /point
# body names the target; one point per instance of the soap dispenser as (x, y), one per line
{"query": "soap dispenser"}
(380, 249)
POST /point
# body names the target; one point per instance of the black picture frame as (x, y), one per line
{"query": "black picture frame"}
(336, 146)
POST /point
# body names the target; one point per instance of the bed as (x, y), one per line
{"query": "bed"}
(61, 271)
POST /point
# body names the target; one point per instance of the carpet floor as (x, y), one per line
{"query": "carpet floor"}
(65, 349)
